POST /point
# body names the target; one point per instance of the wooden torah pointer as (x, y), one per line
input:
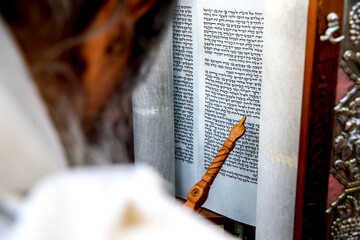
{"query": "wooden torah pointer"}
(200, 191)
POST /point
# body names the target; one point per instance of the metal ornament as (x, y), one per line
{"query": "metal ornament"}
(346, 152)
(333, 27)
(354, 23)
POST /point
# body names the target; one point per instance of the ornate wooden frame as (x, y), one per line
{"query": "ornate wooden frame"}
(315, 148)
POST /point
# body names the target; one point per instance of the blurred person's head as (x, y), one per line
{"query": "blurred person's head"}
(85, 58)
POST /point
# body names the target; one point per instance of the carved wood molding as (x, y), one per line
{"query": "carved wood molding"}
(316, 124)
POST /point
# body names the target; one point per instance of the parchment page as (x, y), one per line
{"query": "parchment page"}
(284, 62)
(227, 86)
(153, 115)
(185, 67)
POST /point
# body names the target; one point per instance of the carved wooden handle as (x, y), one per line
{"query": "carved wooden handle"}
(200, 191)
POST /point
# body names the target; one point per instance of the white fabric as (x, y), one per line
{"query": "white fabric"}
(110, 203)
(29, 146)
(284, 59)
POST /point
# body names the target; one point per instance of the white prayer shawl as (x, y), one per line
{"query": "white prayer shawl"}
(123, 202)
(29, 145)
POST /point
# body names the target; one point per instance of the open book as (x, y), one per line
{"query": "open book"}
(217, 57)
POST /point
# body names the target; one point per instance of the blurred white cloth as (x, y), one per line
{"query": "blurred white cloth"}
(29, 145)
(121, 202)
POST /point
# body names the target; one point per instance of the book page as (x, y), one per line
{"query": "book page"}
(226, 86)
(185, 103)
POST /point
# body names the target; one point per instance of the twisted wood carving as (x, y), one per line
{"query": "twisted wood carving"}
(200, 191)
